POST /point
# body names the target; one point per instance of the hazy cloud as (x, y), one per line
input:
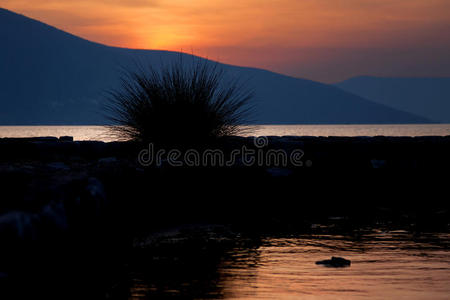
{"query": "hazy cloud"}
(60, 3)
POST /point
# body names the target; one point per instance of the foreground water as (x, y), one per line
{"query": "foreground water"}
(385, 265)
(102, 133)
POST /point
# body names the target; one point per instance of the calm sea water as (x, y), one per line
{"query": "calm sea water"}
(385, 265)
(102, 133)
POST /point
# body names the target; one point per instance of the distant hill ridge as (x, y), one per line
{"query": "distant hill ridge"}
(48, 76)
(428, 97)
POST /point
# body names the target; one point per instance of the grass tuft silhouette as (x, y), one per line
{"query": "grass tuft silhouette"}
(180, 104)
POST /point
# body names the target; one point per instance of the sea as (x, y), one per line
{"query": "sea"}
(384, 265)
(102, 133)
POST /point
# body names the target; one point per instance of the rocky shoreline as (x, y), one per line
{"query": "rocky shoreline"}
(327, 152)
(91, 196)
(58, 181)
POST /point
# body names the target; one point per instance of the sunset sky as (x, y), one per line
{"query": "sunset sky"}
(325, 40)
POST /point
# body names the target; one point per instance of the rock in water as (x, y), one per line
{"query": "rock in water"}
(335, 262)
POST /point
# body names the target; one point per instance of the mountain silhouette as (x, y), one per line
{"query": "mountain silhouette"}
(428, 97)
(48, 76)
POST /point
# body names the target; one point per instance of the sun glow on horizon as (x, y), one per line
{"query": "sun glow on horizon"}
(277, 33)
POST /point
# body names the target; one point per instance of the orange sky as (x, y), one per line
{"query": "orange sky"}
(304, 38)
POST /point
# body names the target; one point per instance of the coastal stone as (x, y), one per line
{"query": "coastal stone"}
(107, 160)
(41, 139)
(336, 218)
(234, 139)
(59, 166)
(335, 262)
(96, 195)
(66, 138)
(279, 172)
(378, 163)
(54, 216)
(93, 148)
(286, 143)
(17, 226)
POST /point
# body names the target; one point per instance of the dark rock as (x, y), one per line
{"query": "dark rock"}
(93, 199)
(53, 215)
(335, 262)
(60, 166)
(66, 138)
(279, 172)
(107, 160)
(17, 226)
(378, 163)
(38, 139)
(96, 190)
(92, 148)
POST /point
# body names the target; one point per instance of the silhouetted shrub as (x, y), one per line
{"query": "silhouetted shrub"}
(180, 104)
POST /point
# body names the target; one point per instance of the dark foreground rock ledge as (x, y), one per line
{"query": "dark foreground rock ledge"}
(54, 181)
(322, 152)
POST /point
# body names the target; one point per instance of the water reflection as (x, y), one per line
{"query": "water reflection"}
(384, 265)
(193, 265)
